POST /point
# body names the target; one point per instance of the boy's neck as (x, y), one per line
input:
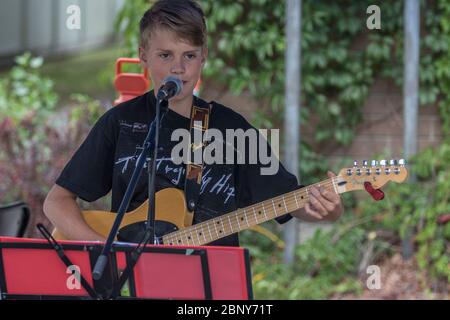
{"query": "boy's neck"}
(182, 107)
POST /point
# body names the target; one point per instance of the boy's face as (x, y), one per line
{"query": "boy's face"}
(167, 55)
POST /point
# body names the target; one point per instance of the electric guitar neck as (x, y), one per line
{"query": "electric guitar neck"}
(348, 179)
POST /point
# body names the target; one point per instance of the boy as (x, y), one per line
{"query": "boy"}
(173, 40)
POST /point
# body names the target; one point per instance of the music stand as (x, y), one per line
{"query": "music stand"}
(32, 269)
(198, 273)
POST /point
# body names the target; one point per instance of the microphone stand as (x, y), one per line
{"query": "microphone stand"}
(149, 231)
(150, 141)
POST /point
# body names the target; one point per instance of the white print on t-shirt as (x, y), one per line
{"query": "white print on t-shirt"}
(136, 126)
(214, 185)
(222, 185)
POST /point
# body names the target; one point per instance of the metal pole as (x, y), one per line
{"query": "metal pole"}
(411, 91)
(292, 110)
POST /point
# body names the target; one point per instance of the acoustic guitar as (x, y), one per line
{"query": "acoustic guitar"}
(174, 222)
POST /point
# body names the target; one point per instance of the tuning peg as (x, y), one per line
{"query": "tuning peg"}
(355, 163)
(383, 162)
(401, 162)
(365, 162)
(392, 162)
(374, 163)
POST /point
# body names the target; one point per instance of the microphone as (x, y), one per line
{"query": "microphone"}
(171, 87)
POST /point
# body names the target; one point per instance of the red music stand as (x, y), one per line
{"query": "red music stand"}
(179, 272)
(31, 269)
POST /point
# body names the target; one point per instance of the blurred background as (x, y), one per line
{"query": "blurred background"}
(350, 102)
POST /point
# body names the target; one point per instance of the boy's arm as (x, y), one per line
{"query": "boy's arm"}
(62, 210)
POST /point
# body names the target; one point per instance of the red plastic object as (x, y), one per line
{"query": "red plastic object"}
(376, 194)
(33, 271)
(443, 219)
(178, 277)
(130, 85)
(30, 268)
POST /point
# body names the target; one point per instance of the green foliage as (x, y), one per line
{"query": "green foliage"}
(441, 43)
(325, 265)
(26, 93)
(417, 206)
(127, 22)
(36, 140)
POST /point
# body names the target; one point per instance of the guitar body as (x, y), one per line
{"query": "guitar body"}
(170, 207)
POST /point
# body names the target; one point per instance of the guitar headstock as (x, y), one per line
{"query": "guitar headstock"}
(377, 173)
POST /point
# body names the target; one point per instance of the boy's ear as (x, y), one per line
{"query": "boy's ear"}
(204, 56)
(143, 57)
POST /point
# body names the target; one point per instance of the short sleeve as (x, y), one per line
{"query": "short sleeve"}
(89, 172)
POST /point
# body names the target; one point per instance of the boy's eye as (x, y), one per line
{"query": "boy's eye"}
(190, 56)
(164, 55)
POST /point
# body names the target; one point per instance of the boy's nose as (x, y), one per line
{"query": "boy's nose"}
(177, 67)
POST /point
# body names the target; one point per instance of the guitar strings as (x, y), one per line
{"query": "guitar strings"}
(290, 200)
(289, 197)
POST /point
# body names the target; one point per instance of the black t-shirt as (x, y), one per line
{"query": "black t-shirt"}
(106, 159)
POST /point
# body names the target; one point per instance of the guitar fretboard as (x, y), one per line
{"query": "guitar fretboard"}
(245, 218)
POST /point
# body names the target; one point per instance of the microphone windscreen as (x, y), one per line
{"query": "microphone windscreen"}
(175, 81)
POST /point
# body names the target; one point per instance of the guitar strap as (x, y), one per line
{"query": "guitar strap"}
(200, 114)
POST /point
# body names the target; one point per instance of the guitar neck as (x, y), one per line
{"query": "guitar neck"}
(245, 218)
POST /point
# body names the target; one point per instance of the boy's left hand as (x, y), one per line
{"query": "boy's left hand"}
(324, 204)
